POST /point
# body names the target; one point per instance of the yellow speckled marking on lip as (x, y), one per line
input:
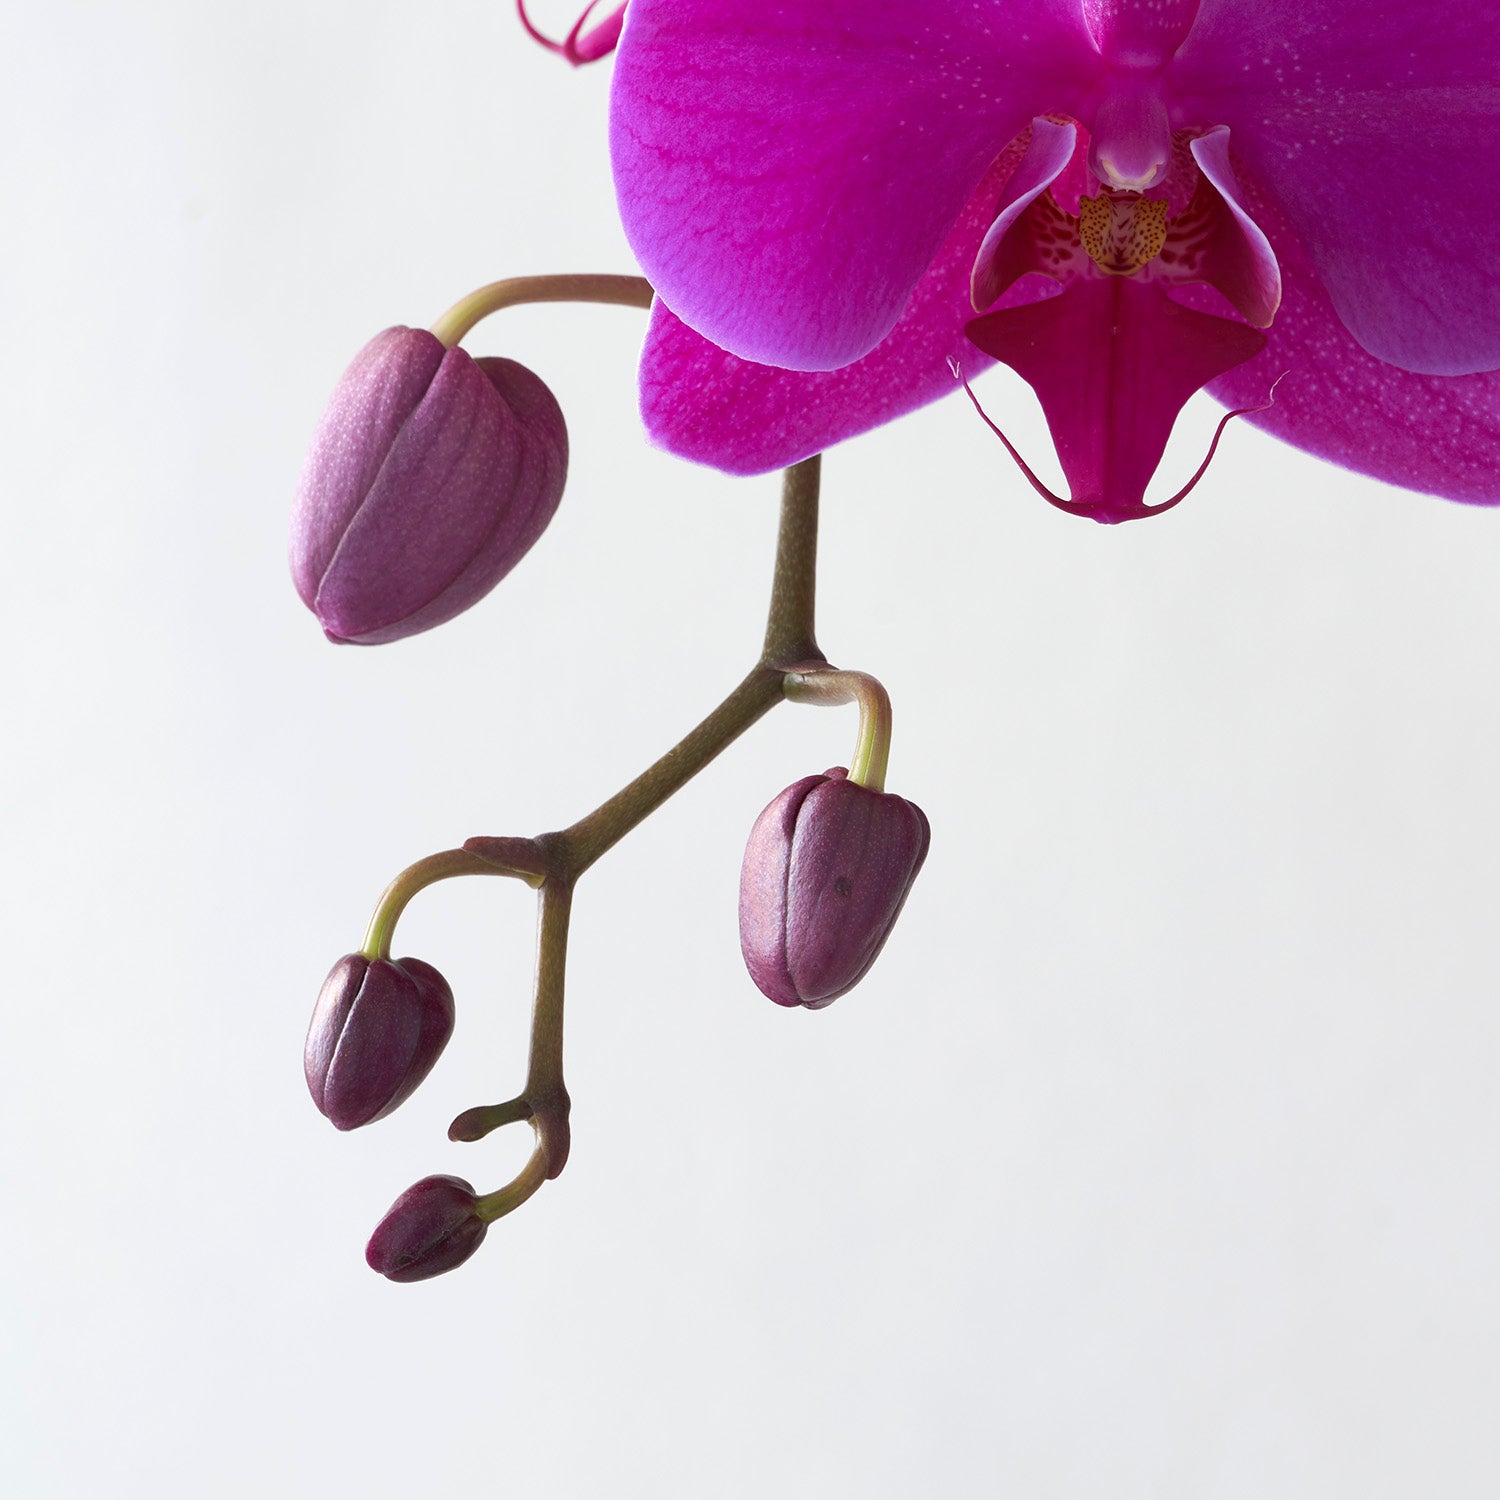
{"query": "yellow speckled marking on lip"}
(1122, 231)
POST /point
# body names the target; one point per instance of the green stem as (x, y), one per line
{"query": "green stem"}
(544, 1100)
(560, 858)
(544, 1068)
(794, 585)
(505, 1200)
(872, 749)
(474, 1124)
(789, 641)
(417, 877)
(621, 291)
(577, 847)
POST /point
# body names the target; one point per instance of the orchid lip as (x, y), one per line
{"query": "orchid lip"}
(1107, 512)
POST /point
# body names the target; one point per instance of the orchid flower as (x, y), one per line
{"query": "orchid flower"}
(1126, 201)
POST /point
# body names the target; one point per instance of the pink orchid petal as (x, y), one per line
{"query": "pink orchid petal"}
(1376, 129)
(1139, 34)
(709, 406)
(786, 173)
(1048, 152)
(1238, 259)
(1113, 360)
(1434, 433)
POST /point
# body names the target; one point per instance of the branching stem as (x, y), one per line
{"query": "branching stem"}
(872, 749)
(789, 642)
(554, 861)
(622, 291)
(442, 866)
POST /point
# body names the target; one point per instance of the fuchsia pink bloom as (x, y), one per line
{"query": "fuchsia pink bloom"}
(1125, 200)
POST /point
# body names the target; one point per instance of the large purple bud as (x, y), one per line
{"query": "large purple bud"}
(429, 479)
(376, 1031)
(434, 1226)
(827, 871)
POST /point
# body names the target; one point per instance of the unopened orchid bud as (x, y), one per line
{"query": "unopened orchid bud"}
(376, 1031)
(429, 479)
(434, 1226)
(826, 872)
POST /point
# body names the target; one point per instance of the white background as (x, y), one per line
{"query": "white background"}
(1158, 1156)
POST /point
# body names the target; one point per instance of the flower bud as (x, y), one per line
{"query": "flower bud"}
(826, 873)
(429, 479)
(432, 1227)
(376, 1031)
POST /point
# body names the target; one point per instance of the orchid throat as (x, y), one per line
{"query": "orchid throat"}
(1111, 354)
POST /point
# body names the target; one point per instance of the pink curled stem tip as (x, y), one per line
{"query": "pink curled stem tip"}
(577, 47)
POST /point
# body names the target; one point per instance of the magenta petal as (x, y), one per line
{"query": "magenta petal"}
(1376, 129)
(1049, 150)
(1434, 433)
(706, 405)
(1238, 259)
(787, 172)
(1113, 361)
(1137, 35)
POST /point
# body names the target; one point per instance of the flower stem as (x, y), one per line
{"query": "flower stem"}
(789, 641)
(544, 1100)
(794, 584)
(545, 1091)
(872, 749)
(554, 861)
(442, 866)
(474, 1124)
(622, 291)
(505, 1200)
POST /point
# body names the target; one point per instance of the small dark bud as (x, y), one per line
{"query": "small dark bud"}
(827, 871)
(376, 1031)
(432, 1227)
